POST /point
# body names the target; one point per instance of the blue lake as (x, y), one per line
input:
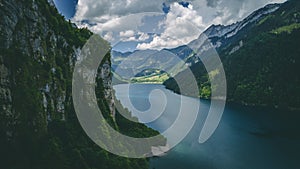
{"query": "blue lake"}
(246, 138)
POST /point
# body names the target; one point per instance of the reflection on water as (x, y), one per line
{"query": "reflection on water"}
(246, 138)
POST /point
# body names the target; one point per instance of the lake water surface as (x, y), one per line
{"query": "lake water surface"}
(247, 138)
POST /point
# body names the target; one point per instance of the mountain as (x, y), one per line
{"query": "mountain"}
(132, 64)
(226, 32)
(219, 36)
(260, 56)
(38, 124)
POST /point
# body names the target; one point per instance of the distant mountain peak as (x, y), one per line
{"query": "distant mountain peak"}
(231, 30)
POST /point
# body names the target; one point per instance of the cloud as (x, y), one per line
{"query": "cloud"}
(109, 36)
(126, 34)
(90, 9)
(230, 11)
(116, 15)
(171, 20)
(143, 36)
(182, 25)
(212, 3)
(131, 35)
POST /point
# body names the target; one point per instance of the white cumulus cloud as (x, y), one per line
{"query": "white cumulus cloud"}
(126, 34)
(181, 25)
(112, 18)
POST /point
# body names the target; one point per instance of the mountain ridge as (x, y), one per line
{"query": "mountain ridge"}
(256, 60)
(217, 34)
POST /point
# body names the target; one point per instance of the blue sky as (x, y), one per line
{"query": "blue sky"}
(155, 24)
(66, 7)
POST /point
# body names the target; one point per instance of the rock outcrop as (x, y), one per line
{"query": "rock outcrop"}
(38, 124)
(106, 76)
(37, 54)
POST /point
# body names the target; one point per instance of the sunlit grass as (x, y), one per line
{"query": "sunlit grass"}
(288, 29)
(156, 79)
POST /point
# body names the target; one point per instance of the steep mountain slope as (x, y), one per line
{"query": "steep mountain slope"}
(221, 36)
(261, 61)
(38, 125)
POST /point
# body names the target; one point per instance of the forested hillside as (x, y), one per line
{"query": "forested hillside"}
(38, 125)
(262, 63)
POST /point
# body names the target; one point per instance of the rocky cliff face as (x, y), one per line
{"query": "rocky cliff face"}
(36, 63)
(5, 94)
(38, 124)
(106, 77)
(36, 55)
